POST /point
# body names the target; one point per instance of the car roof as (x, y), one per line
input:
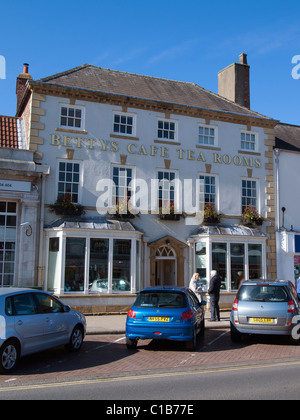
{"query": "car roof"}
(6, 291)
(164, 288)
(266, 282)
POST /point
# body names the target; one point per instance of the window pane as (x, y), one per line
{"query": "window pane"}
(219, 261)
(121, 266)
(98, 272)
(237, 253)
(201, 264)
(255, 261)
(75, 262)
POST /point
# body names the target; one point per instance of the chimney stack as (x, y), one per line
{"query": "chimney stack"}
(21, 83)
(234, 82)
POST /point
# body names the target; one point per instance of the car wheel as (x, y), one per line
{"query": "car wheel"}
(76, 339)
(131, 344)
(236, 337)
(9, 355)
(192, 345)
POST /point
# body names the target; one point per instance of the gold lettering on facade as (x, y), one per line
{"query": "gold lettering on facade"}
(153, 151)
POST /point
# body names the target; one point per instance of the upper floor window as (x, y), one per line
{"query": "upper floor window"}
(122, 177)
(249, 194)
(166, 130)
(166, 191)
(124, 124)
(208, 189)
(71, 117)
(207, 135)
(248, 141)
(68, 181)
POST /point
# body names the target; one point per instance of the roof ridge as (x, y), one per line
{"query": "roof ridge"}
(63, 73)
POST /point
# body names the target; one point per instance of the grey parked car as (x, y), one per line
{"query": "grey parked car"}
(263, 307)
(33, 321)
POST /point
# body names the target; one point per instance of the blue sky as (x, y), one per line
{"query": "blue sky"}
(187, 40)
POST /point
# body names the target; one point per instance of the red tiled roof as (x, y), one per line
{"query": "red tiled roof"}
(8, 132)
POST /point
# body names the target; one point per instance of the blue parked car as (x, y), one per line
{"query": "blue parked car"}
(165, 313)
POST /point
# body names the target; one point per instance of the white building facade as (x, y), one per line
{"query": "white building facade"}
(286, 169)
(114, 141)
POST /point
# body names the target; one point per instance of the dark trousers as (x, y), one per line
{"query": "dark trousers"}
(214, 307)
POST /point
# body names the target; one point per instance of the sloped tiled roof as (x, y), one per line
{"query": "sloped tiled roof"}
(97, 79)
(287, 137)
(9, 136)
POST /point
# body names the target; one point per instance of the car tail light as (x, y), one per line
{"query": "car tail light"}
(187, 315)
(291, 307)
(235, 305)
(131, 314)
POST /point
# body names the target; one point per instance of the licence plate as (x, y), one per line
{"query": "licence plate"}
(262, 320)
(158, 319)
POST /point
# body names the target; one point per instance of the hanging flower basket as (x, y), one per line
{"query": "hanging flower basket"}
(251, 217)
(211, 215)
(167, 212)
(65, 207)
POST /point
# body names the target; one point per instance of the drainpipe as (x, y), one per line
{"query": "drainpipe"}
(277, 205)
(41, 266)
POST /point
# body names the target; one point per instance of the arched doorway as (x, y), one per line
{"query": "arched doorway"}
(167, 262)
(165, 266)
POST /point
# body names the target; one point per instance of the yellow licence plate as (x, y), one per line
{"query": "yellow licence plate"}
(262, 320)
(158, 319)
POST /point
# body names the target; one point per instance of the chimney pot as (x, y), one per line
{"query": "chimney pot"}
(25, 68)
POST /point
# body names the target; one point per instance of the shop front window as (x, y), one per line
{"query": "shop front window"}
(201, 263)
(237, 257)
(75, 264)
(219, 261)
(98, 270)
(255, 255)
(121, 265)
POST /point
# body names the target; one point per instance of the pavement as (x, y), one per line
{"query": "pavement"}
(115, 324)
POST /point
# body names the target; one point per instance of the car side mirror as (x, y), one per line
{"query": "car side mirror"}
(203, 303)
(67, 308)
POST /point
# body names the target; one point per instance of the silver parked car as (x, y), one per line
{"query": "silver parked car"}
(263, 307)
(33, 321)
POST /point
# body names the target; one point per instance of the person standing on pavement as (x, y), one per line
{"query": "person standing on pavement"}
(214, 294)
(195, 287)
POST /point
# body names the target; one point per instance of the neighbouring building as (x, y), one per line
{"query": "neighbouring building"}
(21, 206)
(106, 142)
(287, 176)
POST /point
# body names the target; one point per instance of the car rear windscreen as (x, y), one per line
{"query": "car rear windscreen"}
(263, 293)
(161, 299)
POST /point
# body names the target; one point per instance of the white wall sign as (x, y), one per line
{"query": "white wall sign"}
(8, 185)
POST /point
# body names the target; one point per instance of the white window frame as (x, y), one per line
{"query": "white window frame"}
(130, 188)
(125, 124)
(216, 189)
(80, 183)
(168, 130)
(257, 207)
(176, 190)
(215, 136)
(74, 107)
(246, 147)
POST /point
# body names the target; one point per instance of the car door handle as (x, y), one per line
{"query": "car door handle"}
(20, 322)
(47, 319)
